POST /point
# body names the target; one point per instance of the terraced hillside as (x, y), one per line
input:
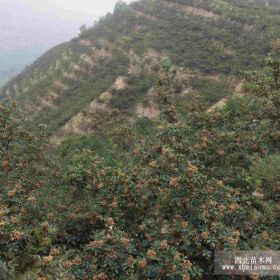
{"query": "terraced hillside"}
(112, 66)
(150, 179)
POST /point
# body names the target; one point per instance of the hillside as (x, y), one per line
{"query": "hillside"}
(23, 29)
(165, 119)
(145, 202)
(112, 65)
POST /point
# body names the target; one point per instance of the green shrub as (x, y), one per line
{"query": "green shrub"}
(166, 63)
(266, 173)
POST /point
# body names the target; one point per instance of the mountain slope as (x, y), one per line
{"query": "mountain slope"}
(113, 65)
(160, 180)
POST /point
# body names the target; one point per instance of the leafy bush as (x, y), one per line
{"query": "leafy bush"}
(25, 235)
(157, 199)
(120, 6)
(209, 90)
(266, 172)
(166, 64)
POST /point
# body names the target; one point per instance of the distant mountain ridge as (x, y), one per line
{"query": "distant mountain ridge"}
(113, 65)
(26, 32)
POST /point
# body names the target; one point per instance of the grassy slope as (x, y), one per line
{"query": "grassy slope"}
(218, 37)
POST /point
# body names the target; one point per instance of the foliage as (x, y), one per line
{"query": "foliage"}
(266, 173)
(126, 99)
(120, 6)
(138, 198)
(166, 64)
(188, 187)
(24, 233)
(210, 91)
(236, 39)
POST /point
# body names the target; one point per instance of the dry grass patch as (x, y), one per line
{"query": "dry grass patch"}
(190, 10)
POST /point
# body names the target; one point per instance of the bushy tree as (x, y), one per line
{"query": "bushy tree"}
(198, 186)
(120, 6)
(24, 231)
(191, 193)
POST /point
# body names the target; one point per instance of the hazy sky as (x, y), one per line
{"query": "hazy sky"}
(89, 7)
(97, 7)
